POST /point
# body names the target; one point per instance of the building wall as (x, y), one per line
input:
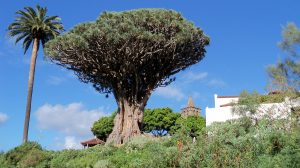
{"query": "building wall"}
(219, 114)
(222, 101)
(273, 110)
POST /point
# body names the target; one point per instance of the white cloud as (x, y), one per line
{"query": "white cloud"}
(217, 83)
(71, 143)
(71, 119)
(170, 92)
(192, 76)
(3, 117)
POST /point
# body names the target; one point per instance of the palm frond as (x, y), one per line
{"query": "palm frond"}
(51, 19)
(22, 36)
(41, 13)
(31, 12)
(26, 43)
(30, 24)
(24, 15)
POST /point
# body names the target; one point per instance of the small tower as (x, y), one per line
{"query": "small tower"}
(190, 110)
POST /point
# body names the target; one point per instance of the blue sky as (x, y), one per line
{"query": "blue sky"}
(244, 37)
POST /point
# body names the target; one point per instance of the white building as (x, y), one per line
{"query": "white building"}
(224, 106)
(222, 110)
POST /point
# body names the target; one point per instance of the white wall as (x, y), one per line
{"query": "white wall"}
(273, 110)
(222, 101)
(219, 114)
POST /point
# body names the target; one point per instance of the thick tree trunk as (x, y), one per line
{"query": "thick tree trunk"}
(127, 122)
(35, 49)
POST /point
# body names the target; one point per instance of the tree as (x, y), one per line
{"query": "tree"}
(33, 27)
(286, 74)
(192, 125)
(159, 120)
(103, 127)
(129, 54)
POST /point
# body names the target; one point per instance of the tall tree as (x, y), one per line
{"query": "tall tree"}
(159, 120)
(129, 54)
(286, 73)
(33, 27)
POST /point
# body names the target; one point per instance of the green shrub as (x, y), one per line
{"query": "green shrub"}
(235, 143)
(103, 164)
(16, 155)
(137, 143)
(35, 158)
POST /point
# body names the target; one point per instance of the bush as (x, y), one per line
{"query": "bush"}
(192, 125)
(138, 143)
(102, 164)
(35, 158)
(235, 143)
(19, 156)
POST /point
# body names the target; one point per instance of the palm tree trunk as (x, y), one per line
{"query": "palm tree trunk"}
(35, 49)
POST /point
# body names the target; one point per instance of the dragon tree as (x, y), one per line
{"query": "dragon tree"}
(129, 54)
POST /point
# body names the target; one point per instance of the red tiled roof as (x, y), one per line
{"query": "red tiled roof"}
(228, 97)
(275, 92)
(94, 141)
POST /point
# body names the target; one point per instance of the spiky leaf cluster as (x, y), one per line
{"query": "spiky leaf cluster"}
(30, 24)
(130, 53)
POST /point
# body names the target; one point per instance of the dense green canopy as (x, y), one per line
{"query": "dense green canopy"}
(103, 127)
(192, 125)
(130, 53)
(160, 120)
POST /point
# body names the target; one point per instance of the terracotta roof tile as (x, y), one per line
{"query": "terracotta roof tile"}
(228, 104)
(94, 141)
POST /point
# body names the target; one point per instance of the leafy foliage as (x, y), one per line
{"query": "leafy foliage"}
(130, 53)
(235, 143)
(74, 158)
(33, 24)
(247, 145)
(249, 103)
(191, 126)
(286, 74)
(103, 127)
(159, 119)
(29, 154)
(246, 97)
(291, 39)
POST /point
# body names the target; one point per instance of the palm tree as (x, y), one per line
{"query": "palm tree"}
(33, 27)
